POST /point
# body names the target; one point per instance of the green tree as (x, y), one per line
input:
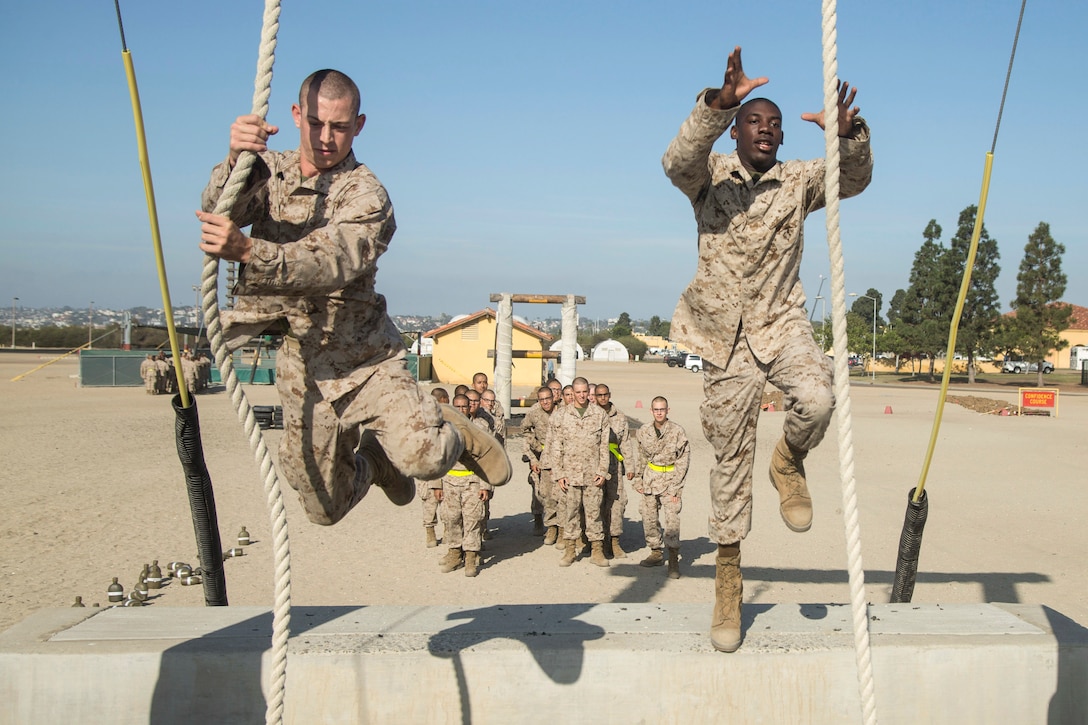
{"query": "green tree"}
(925, 323)
(634, 346)
(1040, 284)
(980, 315)
(622, 328)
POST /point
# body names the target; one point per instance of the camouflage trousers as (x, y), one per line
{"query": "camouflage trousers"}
(730, 412)
(651, 506)
(317, 452)
(583, 501)
(536, 503)
(544, 501)
(614, 503)
(463, 515)
(430, 503)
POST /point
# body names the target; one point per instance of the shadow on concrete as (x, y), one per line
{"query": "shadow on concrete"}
(551, 633)
(996, 586)
(217, 678)
(1072, 670)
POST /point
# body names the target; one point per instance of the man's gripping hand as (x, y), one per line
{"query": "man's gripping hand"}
(220, 237)
(249, 133)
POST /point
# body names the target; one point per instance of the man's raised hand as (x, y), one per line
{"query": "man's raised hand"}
(735, 85)
(846, 113)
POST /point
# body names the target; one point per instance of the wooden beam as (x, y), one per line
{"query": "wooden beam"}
(539, 299)
(532, 354)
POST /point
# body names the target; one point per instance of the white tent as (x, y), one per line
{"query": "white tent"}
(579, 353)
(610, 351)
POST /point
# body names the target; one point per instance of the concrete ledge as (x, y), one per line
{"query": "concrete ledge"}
(602, 663)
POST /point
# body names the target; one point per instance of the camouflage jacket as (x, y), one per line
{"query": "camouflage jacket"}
(316, 244)
(620, 453)
(459, 475)
(750, 236)
(535, 430)
(578, 445)
(664, 449)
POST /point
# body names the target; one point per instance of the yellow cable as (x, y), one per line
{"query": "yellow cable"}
(948, 356)
(153, 216)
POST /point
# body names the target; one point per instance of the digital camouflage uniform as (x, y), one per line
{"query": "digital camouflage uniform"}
(744, 310)
(615, 492)
(663, 457)
(150, 375)
(463, 511)
(534, 429)
(188, 372)
(164, 375)
(431, 505)
(316, 242)
(579, 452)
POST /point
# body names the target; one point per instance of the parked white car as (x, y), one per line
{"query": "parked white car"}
(694, 363)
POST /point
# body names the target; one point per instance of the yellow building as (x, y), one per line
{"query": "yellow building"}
(461, 350)
(1076, 335)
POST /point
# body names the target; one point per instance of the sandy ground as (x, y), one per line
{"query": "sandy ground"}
(92, 489)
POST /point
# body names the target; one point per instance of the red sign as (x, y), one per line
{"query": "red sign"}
(1039, 398)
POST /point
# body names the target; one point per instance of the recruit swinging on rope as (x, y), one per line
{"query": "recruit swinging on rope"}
(353, 414)
(744, 311)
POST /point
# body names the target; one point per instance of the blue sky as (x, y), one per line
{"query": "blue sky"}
(521, 143)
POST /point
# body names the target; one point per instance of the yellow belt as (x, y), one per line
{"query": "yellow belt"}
(458, 472)
(615, 451)
(661, 469)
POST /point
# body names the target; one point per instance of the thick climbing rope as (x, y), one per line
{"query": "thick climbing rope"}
(859, 607)
(281, 612)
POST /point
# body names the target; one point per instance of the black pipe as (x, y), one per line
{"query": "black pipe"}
(201, 502)
(910, 544)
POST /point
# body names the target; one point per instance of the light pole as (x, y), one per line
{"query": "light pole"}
(13, 301)
(823, 320)
(872, 362)
(90, 325)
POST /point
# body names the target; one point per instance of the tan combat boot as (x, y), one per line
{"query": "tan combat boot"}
(617, 550)
(561, 541)
(381, 472)
(483, 454)
(654, 559)
(451, 561)
(725, 632)
(597, 556)
(432, 540)
(472, 561)
(568, 553)
(788, 477)
(674, 563)
(551, 536)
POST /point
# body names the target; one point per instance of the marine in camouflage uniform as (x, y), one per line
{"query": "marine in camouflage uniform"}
(320, 220)
(464, 496)
(150, 375)
(619, 465)
(579, 454)
(662, 465)
(744, 310)
(534, 429)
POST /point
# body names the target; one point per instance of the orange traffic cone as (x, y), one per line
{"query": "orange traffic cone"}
(638, 403)
(887, 410)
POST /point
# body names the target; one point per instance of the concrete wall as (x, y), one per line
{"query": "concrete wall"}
(631, 663)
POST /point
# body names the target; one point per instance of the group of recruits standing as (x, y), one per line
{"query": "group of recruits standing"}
(580, 452)
(159, 376)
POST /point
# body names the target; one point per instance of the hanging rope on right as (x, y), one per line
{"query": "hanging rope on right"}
(910, 540)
